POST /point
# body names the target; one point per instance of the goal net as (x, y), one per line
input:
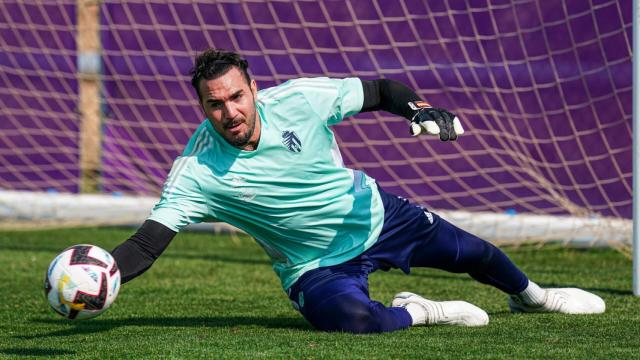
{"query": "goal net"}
(544, 90)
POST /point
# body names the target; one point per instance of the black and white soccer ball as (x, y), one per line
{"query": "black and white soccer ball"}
(82, 282)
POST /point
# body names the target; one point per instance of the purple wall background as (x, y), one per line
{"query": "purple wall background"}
(38, 94)
(543, 89)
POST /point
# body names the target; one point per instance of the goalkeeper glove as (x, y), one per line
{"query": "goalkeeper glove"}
(434, 121)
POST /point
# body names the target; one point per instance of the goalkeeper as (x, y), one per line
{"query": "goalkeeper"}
(267, 162)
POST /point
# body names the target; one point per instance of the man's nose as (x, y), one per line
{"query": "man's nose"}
(230, 110)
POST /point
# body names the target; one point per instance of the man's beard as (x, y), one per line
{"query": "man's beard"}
(243, 140)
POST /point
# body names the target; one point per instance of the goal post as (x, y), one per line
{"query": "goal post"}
(636, 148)
(89, 102)
(543, 88)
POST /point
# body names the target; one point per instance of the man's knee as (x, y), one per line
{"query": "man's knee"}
(343, 313)
(484, 252)
(476, 254)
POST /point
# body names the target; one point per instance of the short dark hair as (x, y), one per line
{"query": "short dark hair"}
(212, 63)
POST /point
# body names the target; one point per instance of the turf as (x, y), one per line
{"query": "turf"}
(216, 297)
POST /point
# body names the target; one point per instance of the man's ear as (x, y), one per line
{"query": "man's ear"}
(254, 88)
(200, 97)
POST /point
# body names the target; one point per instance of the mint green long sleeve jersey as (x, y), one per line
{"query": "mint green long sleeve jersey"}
(293, 194)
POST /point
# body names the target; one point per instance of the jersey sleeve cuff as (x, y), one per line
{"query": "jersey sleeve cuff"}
(157, 217)
(353, 96)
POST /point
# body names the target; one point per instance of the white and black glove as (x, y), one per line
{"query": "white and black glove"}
(434, 121)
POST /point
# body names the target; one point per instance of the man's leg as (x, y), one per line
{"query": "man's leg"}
(336, 298)
(412, 236)
(455, 250)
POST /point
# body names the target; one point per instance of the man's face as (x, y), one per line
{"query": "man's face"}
(230, 104)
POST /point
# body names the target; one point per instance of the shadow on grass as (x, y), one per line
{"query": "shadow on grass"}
(96, 326)
(35, 352)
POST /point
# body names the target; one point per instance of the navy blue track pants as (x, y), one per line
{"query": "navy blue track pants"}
(336, 298)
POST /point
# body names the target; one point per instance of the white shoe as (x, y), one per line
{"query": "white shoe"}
(561, 300)
(440, 312)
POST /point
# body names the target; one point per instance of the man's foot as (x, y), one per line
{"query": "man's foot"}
(427, 312)
(561, 300)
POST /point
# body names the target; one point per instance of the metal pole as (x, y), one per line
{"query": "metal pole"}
(636, 149)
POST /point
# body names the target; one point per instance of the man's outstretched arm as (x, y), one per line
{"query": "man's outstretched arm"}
(398, 99)
(137, 254)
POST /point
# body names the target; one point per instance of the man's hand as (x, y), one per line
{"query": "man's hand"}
(434, 121)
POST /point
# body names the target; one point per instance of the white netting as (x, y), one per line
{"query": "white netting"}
(543, 89)
(38, 93)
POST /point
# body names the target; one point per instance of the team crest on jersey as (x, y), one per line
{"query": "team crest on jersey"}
(291, 141)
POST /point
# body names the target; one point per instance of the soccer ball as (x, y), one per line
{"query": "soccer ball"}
(82, 282)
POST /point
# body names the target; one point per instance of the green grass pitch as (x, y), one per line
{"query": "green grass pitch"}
(217, 297)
